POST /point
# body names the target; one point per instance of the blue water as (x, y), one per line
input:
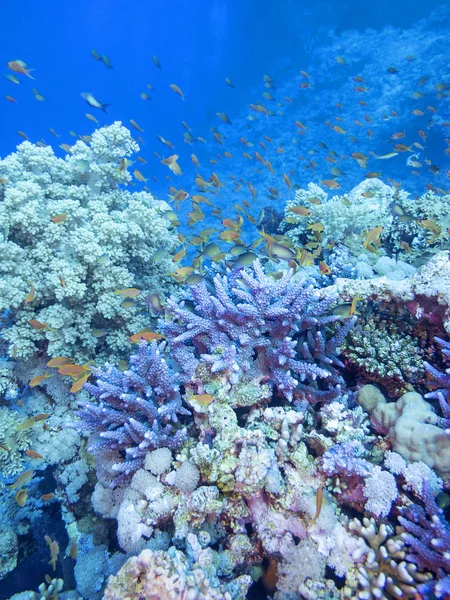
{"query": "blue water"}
(200, 44)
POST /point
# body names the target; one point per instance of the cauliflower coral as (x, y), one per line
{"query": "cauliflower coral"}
(72, 236)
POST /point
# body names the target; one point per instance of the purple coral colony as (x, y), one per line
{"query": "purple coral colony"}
(253, 405)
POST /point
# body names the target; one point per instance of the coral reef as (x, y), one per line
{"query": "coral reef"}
(171, 574)
(426, 293)
(344, 218)
(412, 426)
(255, 326)
(73, 236)
(427, 538)
(14, 442)
(133, 413)
(413, 228)
(381, 351)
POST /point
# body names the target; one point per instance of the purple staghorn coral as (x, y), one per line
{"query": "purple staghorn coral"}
(136, 411)
(428, 538)
(253, 324)
(443, 380)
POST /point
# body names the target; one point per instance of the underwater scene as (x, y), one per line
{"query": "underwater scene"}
(225, 300)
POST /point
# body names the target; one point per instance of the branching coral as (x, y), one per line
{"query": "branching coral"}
(368, 205)
(427, 537)
(171, 574)
(133, 413)
(253, 325)
(344, 218)
(73, 236)
(13, 442)
(441, 379)
(384, 573)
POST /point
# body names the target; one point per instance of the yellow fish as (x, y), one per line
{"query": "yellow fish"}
(128, 292)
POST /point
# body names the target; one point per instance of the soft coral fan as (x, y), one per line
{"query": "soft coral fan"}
(134, 413)
(253, 323)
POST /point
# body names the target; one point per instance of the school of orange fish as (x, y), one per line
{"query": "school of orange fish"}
(226, 240)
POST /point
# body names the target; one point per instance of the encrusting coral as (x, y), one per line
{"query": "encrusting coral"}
(71, 237)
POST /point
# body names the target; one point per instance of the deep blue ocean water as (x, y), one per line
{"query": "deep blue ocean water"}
(201, 43)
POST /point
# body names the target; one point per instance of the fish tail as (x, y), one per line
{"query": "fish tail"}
(104, 106)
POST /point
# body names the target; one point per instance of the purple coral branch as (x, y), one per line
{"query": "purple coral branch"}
(136, 411)
(428, 536)
(254, 322)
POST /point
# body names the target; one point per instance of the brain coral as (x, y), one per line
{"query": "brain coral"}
(71, 236)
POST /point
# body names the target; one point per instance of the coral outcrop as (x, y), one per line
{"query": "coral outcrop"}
(72, 236)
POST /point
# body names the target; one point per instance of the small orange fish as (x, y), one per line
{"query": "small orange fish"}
(33, 454)
(22, 480)
(319, 504)
(31, 294)
(287, 181)
(59, 361)
(324, 268)
(138, 175)
(179, 255)
(229, 235)
(128, 292)
(59, 218)
(176, 89)
(353, 305)
(330, 183)
(300, 210)
(54, 551)
(203, 399)
(35, 381)
(21, 497)
(72, 370)
(47, 497)
(11, 99)
(406, 247)
(35, 324)
(146, 335)
(18, 66)
(73, 551)
(373, 236)
(79, 383)
(135, 125)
